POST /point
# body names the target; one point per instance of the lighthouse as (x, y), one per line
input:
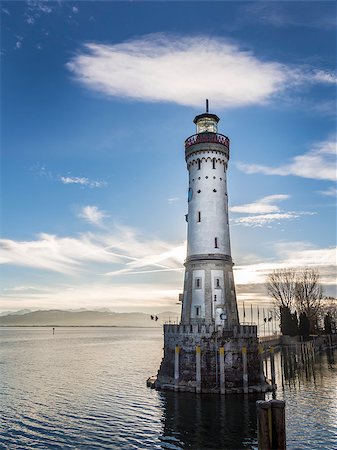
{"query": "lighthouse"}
(209, 290)
(209, 351)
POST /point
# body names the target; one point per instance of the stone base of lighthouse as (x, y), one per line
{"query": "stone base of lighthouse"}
(202, 359)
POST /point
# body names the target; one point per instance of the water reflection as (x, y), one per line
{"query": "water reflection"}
(208, 421)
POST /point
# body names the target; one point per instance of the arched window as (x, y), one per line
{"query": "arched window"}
(199, 216)
(199, 163)
(216, 242)
(213, 163)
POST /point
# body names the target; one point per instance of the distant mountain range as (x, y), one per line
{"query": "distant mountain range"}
(101, 318)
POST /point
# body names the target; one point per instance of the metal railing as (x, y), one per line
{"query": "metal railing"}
(207, 137)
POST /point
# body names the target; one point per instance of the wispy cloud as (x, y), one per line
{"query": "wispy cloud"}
(280, 15)
(264, 211)
(83, 181)
(330, 192)
(35, 9)
(66, 255)
(173, 200)
(262, 220)
(319, 163)
(291, 254)
(151, 289)
(92, 214)
(43, 171)
(120, 251)
(158, 68)
(250, 278)
(263, 205)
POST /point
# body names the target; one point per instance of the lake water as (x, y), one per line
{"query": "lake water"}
(85, 388)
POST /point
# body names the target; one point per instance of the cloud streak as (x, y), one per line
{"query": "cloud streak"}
(264, 211)
(319, 163)
(262, 220)
(164, 68)
(264, 205)
(120, 251)
(83, 181)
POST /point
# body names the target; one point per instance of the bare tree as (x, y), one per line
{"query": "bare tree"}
(281, 285)
(308, 294)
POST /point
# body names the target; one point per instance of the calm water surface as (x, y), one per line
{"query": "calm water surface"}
(84, 388)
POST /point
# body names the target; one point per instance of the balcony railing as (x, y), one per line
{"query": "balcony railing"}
(207, 137)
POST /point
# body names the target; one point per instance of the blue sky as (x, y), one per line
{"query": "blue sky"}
(97, 100)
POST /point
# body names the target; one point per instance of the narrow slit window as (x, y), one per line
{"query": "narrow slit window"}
(216, 242)
(213, 163)
(217, 282)
(199, 216)
(199, 164)
(197, 311)
(198, 283)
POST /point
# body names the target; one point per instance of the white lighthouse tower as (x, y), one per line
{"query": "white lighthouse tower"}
(209, 290)
(209, 351)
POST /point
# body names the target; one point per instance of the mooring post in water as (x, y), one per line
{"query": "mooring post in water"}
(271, 431)
(272, 367)
(222, 370)
(313, 351)
(198, 368)
(245, 370)
(261, 365)
(266, 360)
(264, 426)
(278, 424)
(330, 341)
(176, 367)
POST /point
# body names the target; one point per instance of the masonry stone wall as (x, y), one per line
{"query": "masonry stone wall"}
(210, 340)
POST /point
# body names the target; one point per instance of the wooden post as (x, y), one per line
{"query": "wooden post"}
(176, 367)
(198, 368)
(278, 424)
(262, 379)
(266, 361)
(313, 350)
(330, 341)
(272, 367)
(222, 370)
(245, 370)
(264, 426)
(271, 431)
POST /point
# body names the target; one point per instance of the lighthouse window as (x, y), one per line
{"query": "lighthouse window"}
(199, 164)
(216, 242)
(214, 190)
(199, 216)
(217, 282)
(198, 283)
(213, 163)
(198, 191)
(197, 311)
